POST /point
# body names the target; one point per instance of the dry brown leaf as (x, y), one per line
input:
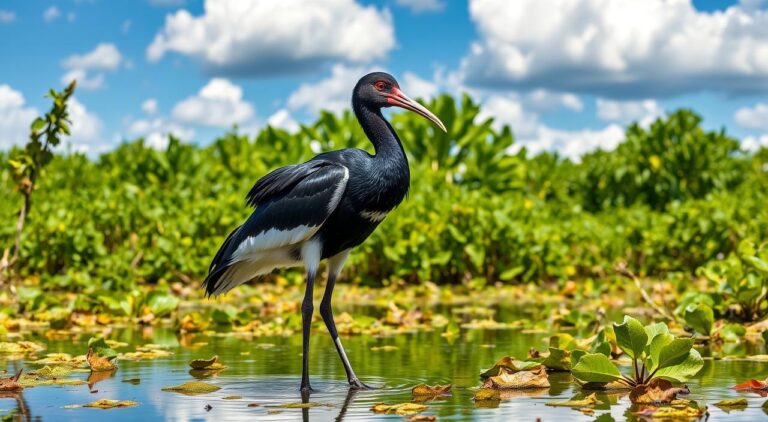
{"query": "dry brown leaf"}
(510, 364)
(98, 363)
(192, 388)
(657, 391)
(487, 394)
(12, 383)
(424, 392)
(402, 409)
(212, 364)
(589, 401)
(521, 379)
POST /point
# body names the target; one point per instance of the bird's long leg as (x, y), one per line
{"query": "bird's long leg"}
(326, 311)
(306, 321)
(310, 254)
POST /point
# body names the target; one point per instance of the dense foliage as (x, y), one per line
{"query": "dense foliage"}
(669, 199)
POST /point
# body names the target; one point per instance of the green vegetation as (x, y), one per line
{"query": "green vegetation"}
(673, 202)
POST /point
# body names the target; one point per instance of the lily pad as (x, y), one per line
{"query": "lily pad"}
(589, 401)
(105, 404)
(732, 404)
(402, 409)
(192, 388)
(518, 380)
(510, 364)
(212, 364)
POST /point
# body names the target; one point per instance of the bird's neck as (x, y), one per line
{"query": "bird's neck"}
(383, 137)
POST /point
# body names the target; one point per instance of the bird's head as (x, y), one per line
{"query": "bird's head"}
(379, 89)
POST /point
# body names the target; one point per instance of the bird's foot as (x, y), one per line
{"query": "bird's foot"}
(359, 385)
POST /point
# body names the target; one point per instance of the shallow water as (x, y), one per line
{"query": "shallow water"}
(266, 371)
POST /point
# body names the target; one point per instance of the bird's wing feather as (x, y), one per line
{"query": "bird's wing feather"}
(291, 203)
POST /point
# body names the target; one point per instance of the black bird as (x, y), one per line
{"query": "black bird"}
(321, 209)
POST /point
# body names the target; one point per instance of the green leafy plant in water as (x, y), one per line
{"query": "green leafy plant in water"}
(655, 353)
(742, 282)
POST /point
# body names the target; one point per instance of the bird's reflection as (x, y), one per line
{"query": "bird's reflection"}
(22, 410)
(351, 393)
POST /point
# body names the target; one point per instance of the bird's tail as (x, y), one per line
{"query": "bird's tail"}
(219, 264)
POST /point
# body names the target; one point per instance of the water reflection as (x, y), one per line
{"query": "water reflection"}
(265, 372)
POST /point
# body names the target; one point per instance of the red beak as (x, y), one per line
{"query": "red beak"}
(399, 99)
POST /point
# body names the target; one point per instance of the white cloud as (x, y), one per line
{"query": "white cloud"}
(625, 112)
(421, 6)
(15, 118)
(105, 56)
(507, 110)
(754, 143)
(333, 93)
(753, 118)
(86, 129)
(632, 48)
(71, 16)
(282, 119)
(149, 106)
(268, 37)
(219, 103)
(543, 100)
(157, 130)
(84, 81)
(573, 144)
(51, 14)
(7, 16)
(417, 87)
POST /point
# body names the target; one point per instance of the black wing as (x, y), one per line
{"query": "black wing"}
(291, 203)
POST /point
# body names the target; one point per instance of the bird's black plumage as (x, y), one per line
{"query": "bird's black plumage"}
(322, 208)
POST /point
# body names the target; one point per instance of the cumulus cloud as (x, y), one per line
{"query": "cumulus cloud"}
(282, 119)
(156, 131)
(627, 49)
(84, 80)
(422, 6)
(51, 14)
(644, 111)
(7, 16)
(753, 117)
(104, 57)
(86, 129)
(265, 37)
(149, 106)
(573, 144)
(219, 103)
(508, 110)
(543, 100)
(15, 118)
(754, 143)
(418, 87)
(333, 93)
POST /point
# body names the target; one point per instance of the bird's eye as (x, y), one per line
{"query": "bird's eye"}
(380, 85)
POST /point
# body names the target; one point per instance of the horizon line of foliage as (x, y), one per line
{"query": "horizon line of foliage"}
(668, 199)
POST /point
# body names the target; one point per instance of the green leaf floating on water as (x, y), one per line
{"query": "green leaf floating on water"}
(631, 337)
(684, 370)
(192, 388)
(596, 367)
(732, 404)
(700, 317)
(558, 360)
(101, 348)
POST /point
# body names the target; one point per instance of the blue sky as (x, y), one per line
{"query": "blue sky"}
(568, 75)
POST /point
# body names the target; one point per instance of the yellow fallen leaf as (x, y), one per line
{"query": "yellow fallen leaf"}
(484, 394)
(402, 409)
(657, 391)
(192, 388)
(732, 404)
(520, 379)
(423, 392)
(306, 405)
(98, 363)
(106, 404)
(589, 401)
(212, 364)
